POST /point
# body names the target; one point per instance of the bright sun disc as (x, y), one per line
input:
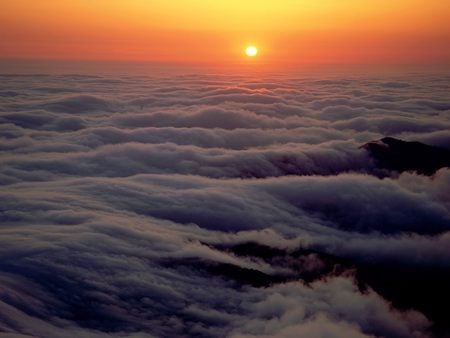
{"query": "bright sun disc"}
(251, 51)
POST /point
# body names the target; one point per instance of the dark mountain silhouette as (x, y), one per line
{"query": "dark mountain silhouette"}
(394, 154)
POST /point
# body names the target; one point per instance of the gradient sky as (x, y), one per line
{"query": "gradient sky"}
(204, 31)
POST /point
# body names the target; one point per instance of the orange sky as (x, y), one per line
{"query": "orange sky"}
(214, 31)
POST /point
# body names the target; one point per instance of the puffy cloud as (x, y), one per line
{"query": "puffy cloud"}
(220, 205)
(326, 308)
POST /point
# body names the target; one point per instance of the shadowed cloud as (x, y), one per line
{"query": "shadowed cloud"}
(218, 205)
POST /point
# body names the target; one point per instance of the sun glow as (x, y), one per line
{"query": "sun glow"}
(251, 51)
(228, 32)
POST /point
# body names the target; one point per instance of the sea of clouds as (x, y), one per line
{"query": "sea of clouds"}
(212, 205)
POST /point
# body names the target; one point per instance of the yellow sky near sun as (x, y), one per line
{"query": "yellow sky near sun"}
(213, 31)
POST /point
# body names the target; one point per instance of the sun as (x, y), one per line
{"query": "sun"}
(251, 51)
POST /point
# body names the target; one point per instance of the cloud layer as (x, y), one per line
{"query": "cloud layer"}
(211, 205)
